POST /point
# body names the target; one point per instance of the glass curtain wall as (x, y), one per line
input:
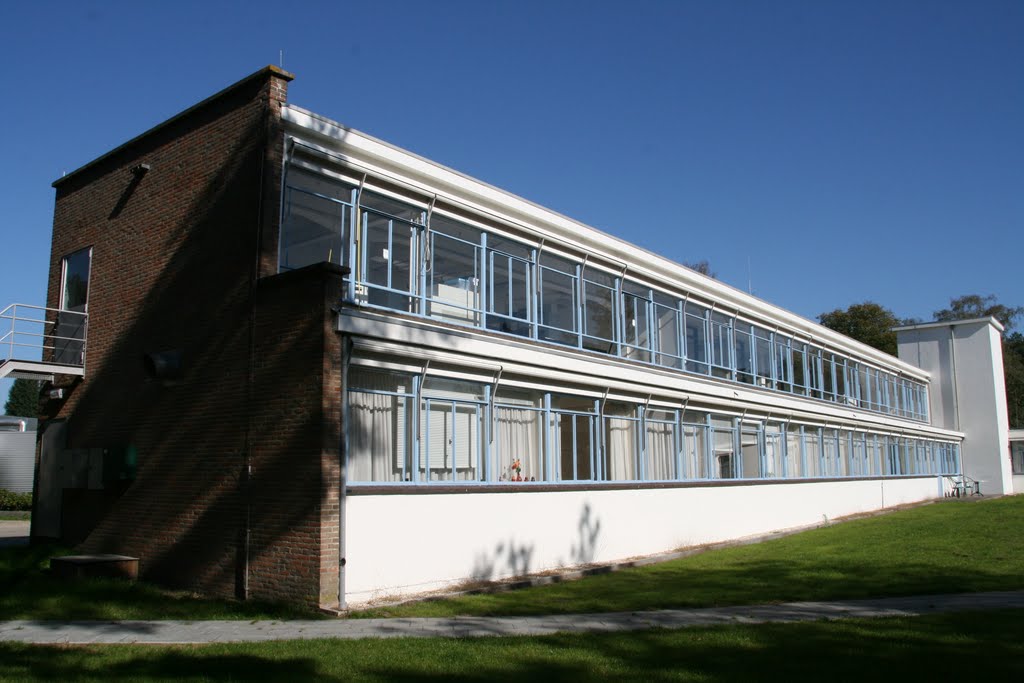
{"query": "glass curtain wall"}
(412, 429)
(409, 257)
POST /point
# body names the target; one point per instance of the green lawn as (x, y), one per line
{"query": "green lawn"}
(27, 591)
(948, 547)
(945, 547)
(943, 647)
(13, 516)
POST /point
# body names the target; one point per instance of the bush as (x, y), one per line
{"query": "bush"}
(9, 500)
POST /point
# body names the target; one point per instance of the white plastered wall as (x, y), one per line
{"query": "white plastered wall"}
(968, 392)
(401, 545)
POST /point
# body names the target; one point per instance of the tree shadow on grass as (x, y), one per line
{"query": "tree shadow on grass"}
(118, 663)
(942, 647)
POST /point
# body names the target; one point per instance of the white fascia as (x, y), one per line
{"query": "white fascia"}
(952, 323)
(382, 159)
(406, 339)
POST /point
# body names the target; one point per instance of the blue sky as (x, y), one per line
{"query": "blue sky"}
(819, 153)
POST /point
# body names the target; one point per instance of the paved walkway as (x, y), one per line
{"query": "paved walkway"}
(181, 632)
(13, 532)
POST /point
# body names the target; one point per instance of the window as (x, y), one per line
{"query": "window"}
(380, 439)
(454, 272)
(69, 332)
(660, 429)
(798, 366)
(599, 311)
(721, 345)
(794, 451)
(744, 353)
(1017, 456)
(451, 421)
(667, 322)
(510, 297)
(724, 440)
(518, 436)
(696, 339)
(783, 363)
(621, 443)
(317, 220)
(812, 452)
(558, 297)
(695, 445)
(576, 439)
(636, 322)
(390, 235)
(814, 381)
(750, 452)
(774, 451)
(763, 357)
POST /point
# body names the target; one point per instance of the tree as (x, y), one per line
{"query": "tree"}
(1013, 370)
(23, 399)
(866, 322)
(702, 267)
(974, 306)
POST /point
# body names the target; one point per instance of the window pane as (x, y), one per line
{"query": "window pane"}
(696, 339)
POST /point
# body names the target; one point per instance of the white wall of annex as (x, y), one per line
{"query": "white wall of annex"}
(402, 545)
(968, 392)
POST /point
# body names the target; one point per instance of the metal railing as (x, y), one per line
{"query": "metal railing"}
(36, 333)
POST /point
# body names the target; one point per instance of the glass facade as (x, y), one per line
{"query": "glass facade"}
(425, 429)
(410, 258)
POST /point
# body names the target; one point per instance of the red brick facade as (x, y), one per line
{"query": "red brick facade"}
(236, 484)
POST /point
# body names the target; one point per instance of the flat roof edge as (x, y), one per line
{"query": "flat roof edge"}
(265, 72)
(950, 323)
(331, 136)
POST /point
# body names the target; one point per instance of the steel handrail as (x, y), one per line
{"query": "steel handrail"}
(27, 322)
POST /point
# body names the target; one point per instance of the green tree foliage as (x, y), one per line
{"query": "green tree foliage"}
(1013, 370)
(972, 306)
(866, 322)
(702, 267)
(23, 399)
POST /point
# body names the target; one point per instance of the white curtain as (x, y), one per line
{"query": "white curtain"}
(794, 461)
(377, 436)
(517, 436)
(620, 448)
(661, 455)
(694, 440)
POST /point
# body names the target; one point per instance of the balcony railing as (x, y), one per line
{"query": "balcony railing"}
(42, 335)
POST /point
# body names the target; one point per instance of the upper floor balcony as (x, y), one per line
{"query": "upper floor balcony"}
(38, 342)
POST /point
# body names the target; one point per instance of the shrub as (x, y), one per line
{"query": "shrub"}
(9, 500)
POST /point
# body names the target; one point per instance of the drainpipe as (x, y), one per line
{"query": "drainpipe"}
(346, 357)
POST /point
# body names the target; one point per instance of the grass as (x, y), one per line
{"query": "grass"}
(15, 516)
(941, 647)
(948, 547)
(27, 591)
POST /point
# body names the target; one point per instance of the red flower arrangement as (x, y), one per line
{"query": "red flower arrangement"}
(517, 467)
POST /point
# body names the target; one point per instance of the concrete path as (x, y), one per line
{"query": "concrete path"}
(181, 632)
(13, 532)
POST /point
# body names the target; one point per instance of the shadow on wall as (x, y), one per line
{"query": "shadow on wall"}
(509, 558)
(185, 280)
(588, 529)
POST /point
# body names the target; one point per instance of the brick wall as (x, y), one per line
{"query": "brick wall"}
(176, 257)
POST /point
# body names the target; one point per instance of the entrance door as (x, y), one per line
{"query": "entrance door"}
(69, 335)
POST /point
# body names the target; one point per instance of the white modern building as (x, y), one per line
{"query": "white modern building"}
(395, 378)
(525, 392)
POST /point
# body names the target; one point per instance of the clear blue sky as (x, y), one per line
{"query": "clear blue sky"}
(845, 150)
